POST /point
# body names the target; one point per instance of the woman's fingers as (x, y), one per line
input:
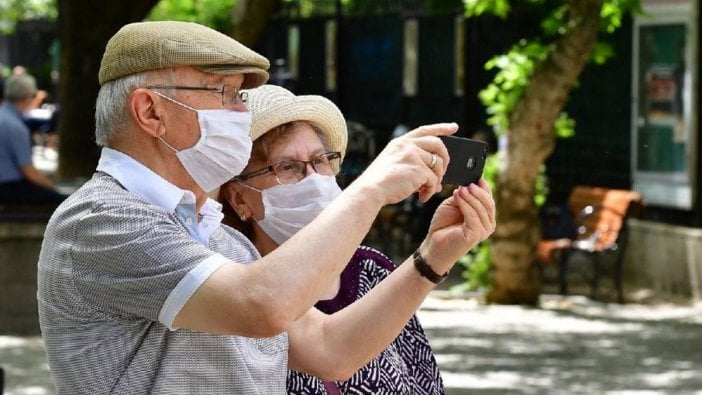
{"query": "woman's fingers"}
(477, 209)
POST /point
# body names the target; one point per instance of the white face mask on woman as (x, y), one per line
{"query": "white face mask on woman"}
(223, 150)
(290, 207)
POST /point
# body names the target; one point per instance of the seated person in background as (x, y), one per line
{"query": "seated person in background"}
(20, 181)
(299, 142)
(39, 96)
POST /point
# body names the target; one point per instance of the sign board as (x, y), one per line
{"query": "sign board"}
(664, 151)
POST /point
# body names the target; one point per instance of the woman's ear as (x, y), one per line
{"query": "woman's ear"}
(232, 194)
(146, 111)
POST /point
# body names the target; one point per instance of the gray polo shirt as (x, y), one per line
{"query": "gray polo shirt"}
(120, 258)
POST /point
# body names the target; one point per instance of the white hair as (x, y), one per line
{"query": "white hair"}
(111, 103)
(111, 106)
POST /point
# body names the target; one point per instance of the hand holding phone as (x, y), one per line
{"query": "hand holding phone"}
(467, 160)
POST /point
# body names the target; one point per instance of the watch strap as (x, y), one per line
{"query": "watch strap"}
(425, 270)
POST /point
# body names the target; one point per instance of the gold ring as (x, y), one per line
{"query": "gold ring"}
(433, 160)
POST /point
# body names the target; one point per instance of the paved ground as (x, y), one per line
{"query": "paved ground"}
(569, 346)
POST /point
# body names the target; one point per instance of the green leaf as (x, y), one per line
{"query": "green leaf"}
(602, 52)
(499, 8)
(213, 13)
(13, 11)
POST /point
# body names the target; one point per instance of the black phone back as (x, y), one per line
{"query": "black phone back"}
(467, 160)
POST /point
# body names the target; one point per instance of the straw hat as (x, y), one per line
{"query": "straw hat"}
(144, 46)
(272, 106)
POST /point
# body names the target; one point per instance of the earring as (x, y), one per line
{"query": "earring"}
(243, 217)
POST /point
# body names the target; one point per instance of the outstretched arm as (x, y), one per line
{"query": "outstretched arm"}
(264, 298)
(334, 346)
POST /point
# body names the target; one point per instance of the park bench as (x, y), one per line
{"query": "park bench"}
(26, 212)
(596, 238)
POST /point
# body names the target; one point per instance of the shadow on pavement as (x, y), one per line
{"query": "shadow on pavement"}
(565, 348)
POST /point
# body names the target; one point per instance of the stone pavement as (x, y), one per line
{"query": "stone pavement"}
(570, 345)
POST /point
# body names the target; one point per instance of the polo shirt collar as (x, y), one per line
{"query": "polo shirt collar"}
(142, 181)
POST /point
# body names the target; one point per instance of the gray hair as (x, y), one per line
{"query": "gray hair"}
(19, 87)
(111, 106)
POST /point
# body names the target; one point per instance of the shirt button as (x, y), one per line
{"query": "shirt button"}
(189, 221)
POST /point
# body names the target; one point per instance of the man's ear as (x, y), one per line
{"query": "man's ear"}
(146, 111)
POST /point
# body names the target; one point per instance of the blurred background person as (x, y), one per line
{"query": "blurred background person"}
(42, 116)
(20, 181)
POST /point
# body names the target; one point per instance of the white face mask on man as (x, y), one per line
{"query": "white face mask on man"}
(290, 207)
(223, 150)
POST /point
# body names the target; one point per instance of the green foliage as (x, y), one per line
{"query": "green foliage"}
(13, 11)
(511, 80)
(308, 8)
(613, 12)
(477, 265)
(602, 52)
(499, 8)
(216, 14)
(514, 69)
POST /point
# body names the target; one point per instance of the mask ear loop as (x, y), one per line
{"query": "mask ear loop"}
(178, 103)
(167, 145)
(249, 186)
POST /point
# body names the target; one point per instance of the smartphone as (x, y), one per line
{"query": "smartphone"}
(467, 160)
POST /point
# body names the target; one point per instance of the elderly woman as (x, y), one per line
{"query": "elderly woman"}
(299, 142)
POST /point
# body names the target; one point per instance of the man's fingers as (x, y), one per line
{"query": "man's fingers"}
(436, 129)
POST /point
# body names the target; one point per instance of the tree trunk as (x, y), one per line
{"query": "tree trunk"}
(250, 19)
(531, 141)
(85, 26)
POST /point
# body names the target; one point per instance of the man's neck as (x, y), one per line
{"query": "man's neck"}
(151, 154)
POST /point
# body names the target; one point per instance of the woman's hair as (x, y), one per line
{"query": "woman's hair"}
(259, 153)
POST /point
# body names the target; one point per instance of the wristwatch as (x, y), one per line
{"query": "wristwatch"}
(425, 270)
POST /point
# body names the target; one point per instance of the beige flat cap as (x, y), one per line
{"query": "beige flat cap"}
(272, 106)
(144, 46)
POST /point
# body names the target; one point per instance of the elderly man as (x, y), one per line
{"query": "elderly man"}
(20, 181)
(141, 290)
